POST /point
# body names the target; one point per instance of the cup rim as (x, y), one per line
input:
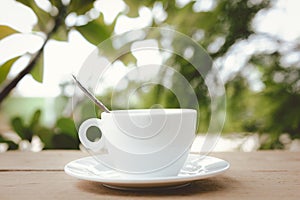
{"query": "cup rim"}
(154, 111)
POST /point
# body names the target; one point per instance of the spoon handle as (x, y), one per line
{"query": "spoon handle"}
(91, 96)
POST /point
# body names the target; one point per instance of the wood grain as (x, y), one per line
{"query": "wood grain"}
(257, 175)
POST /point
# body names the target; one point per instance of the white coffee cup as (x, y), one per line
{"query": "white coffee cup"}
(143, 142)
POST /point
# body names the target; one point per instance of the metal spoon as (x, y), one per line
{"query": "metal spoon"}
(91, 96)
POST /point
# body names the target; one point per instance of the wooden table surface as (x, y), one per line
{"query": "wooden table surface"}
(256, 175)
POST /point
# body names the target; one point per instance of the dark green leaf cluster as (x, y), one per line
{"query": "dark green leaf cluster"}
(63, 135)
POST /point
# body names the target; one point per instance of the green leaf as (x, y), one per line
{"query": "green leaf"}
(35, 119)
(38, 70)
(11, 144)
(26, 2)
(95, 31)
(24, 132)
(80, 7)
(5, 68)
(28, 133)
(56, 3)
(66, 125)
(45, 20)
(18, 126)
(127, 59)
(61, 34)
(133, 7)
(6, 31)
(63, 141)
(46, 136)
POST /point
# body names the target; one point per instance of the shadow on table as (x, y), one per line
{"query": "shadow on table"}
(216, 184)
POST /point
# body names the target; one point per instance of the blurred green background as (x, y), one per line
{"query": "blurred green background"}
(257, 53)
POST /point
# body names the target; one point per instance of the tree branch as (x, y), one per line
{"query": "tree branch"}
(8, 88)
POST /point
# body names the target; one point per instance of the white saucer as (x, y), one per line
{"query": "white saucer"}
(89, 169)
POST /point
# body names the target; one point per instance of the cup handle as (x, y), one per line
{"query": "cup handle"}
(97, 145)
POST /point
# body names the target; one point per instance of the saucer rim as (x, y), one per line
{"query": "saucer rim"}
(147, 181)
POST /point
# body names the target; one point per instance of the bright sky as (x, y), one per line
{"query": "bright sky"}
(65, 58)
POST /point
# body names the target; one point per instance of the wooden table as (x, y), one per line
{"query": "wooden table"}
(257, 175)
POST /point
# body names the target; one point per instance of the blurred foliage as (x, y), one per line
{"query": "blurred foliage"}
(11, 144)
(6, 31)
(62, 135)
(273, 110)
